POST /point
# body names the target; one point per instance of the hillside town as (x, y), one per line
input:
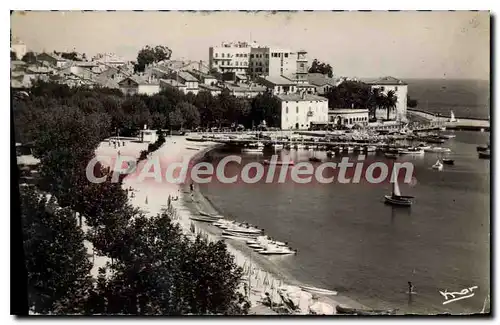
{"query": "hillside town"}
(243, 69)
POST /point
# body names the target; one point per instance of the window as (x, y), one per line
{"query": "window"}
(286, 55)
(297, 110)
(245, 55)
(216, 54)
(267, 56)
(396, 88)
(302, 65)
(222, 54)
(382, 88)
(251, 56)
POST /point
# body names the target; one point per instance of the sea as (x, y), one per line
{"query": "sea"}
(350, 241)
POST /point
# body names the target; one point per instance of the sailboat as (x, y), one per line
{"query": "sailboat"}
(452, 118)
(396, 198)
(438, 165)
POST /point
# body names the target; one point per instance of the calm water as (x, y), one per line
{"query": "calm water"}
(467, 98)
(349, 240)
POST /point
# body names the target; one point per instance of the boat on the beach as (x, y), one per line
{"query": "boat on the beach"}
(202, 219)
(438, 165)
(277, 250)
(319, 291)
(364, 312)
(396, 198)
(279, 163)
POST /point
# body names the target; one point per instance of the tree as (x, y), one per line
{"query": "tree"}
(390, 102)
(163, 273)
(319, 67)
(265, 107)
(56, 259)
(176, 118)
(13, 56)
(73, 56)
(29, 57)
(150, 55)
(190, 115)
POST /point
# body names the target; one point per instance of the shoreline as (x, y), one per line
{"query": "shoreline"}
(260, 274)
(262, 263)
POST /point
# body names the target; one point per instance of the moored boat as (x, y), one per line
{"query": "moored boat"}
(448, 161)
(485, 154)
(438, 165)
(279, 163)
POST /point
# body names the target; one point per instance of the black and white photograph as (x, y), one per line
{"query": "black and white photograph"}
(251, 163)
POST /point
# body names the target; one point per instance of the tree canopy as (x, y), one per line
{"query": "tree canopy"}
(150, 54)
(29, 57)
(320, 67)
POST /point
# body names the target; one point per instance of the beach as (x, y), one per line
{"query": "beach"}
(261, 275)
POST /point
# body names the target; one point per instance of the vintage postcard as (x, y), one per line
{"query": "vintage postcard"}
(251, 163)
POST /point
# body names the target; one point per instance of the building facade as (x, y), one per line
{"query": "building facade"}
(298, 111)
(256, 60)
(400, 89)
(348, 117)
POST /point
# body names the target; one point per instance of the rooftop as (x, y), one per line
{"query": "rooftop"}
(186, 76)
(172, 82)
(298, 98)
(319, 79)
(386, 81)
(277, 81)
(209, 87)
(347, 111)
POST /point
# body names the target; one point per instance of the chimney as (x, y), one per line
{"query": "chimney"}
(199, 66)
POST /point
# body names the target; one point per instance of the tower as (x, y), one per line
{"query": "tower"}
(302, 66)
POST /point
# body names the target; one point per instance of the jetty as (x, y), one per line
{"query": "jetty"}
(461, 123)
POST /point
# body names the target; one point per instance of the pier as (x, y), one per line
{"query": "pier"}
(436, 120)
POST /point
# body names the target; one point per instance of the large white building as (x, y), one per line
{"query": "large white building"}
(17, 46)
(400, 89)
(256, 60)
(298, 111)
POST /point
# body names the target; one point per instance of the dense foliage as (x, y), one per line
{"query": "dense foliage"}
(29, 57)
(355, 94)
(150, 55)
(155, 269)
(320, 67)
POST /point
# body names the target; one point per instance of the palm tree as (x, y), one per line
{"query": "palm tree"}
(390, 101)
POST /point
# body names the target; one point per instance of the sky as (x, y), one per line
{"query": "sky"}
(437, 44)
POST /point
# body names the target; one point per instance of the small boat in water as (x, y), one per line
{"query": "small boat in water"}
(277, 146)
(330, 154)
(482, 148)
(196, 139)
(277, 250)
(370, 149)
(396, 198)
(438, 165)
(437, 149)
(448, 161)
(412, 151)
(485, 154)
(423, 146)
(254, 148)
(447, 136)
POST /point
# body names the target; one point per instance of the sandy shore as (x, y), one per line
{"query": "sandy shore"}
(261, 275)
